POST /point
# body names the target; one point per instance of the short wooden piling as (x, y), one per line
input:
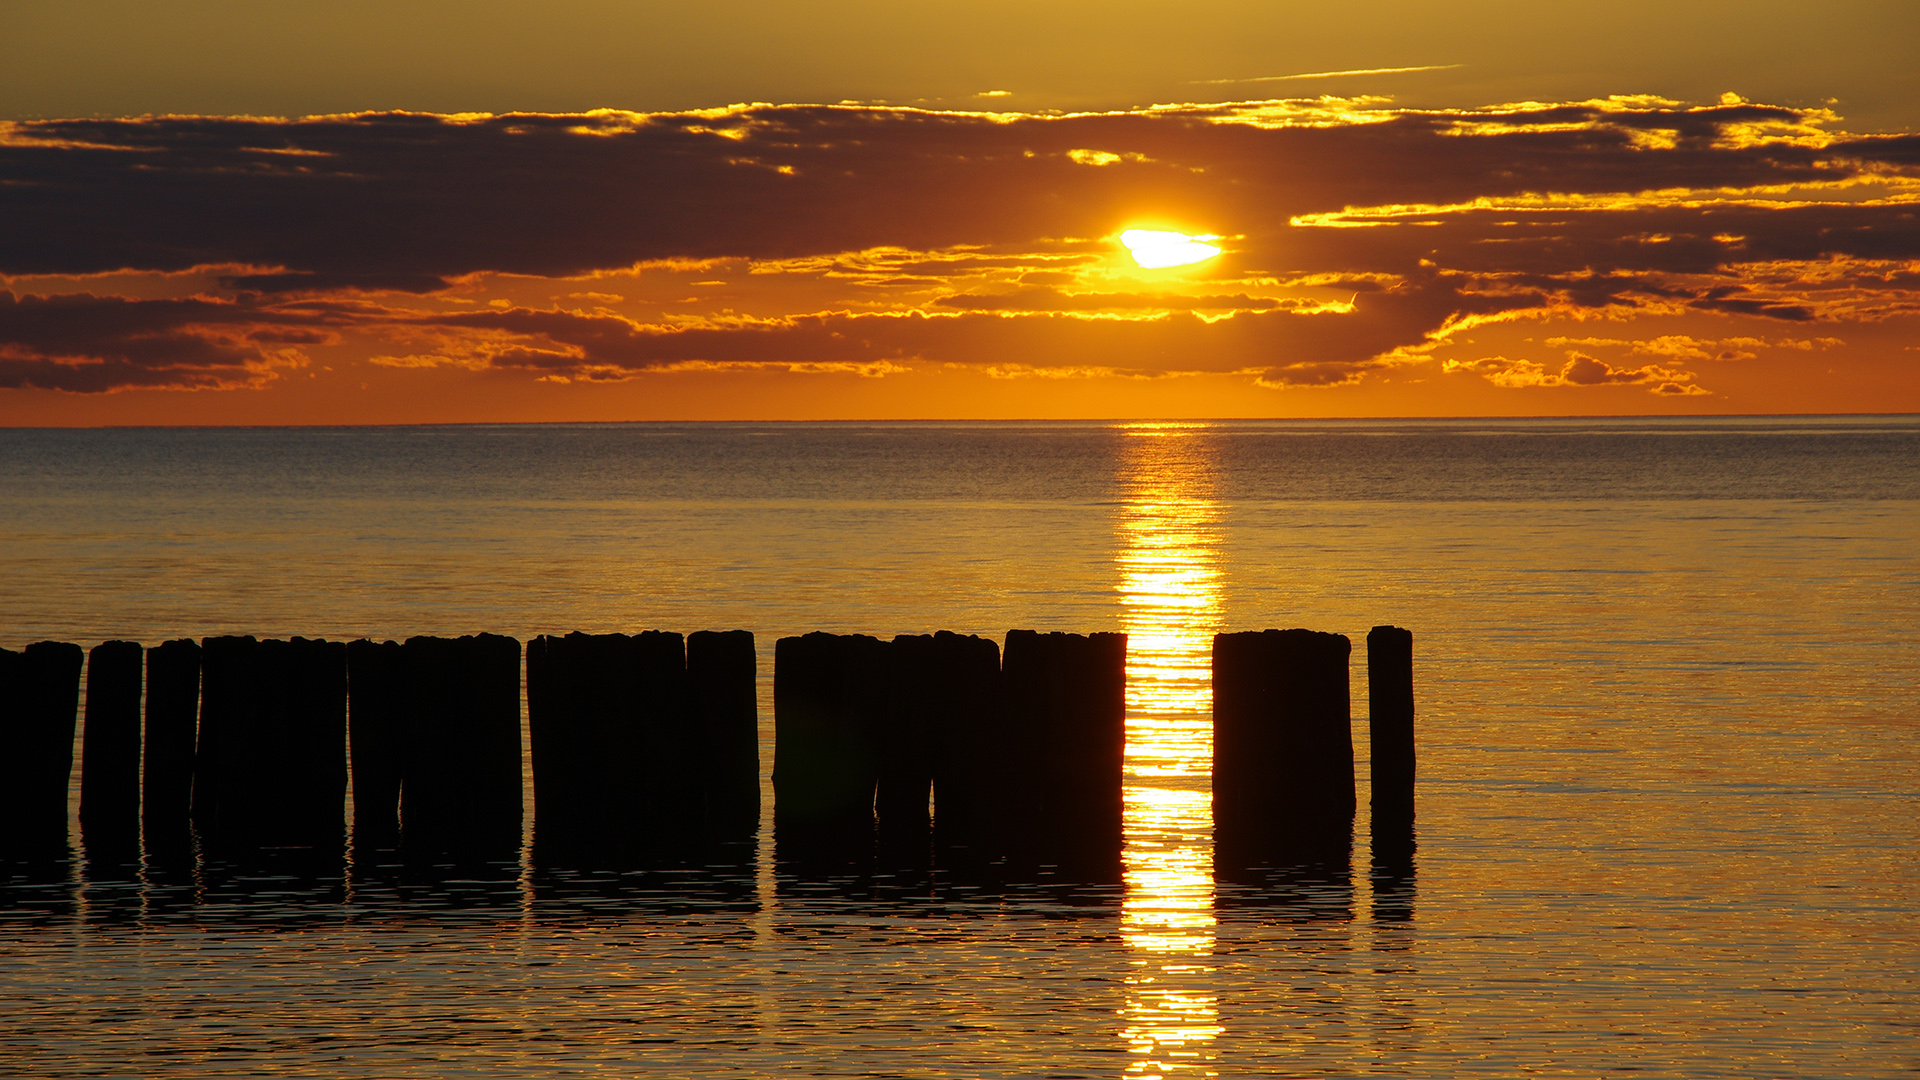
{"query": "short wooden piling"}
(1390, 721)
(39, 704)
(376, 729)
(460, 774)
(722, 674)
(110, 754)
(1282, 749)
(1067, 706)
(173, 721)
(829, 697)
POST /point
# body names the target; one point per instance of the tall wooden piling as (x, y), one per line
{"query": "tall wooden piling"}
(173, 721)
(110, 754)
(39, 704)
(376, 730)
(976, 776)
(829, 697)
(1390, 721)
(460, 774)
(1066, 700)
(722, 674)
(1282, 748)
(616, 770)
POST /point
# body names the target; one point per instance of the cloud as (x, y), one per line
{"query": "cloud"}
(832, 238)
(90, 344)
(1580, 370)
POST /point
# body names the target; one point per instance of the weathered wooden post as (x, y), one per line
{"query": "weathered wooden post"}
(829, 696)
(1390, 721)
(110, 754)
(312, 699)
(976, 773)
(615, 775)
(1391, 740)
(903, 749)
(721, 684)
(1282, 749)
(39, 703)
(173, 721)
(1067, 706)
(376, 726)
(671, 821)
(460, 773)
(224, 757)
(272, 768)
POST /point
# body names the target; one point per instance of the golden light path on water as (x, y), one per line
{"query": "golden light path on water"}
(1169, 568)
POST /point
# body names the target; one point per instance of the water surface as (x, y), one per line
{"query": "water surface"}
(1670, 756)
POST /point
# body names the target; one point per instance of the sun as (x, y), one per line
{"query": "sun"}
(1155, 249)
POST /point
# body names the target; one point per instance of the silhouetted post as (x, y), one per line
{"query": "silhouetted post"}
(39, 702)
(376, 718)
(1282, 748)
(613, 781)
(273, 734)
(1390, 720)
(829, 695)
(904, 751)
(976, 775)
(1067, 707)
(173, 720)
(721, 681)
(671, 819)
(460, 776)
(110, 754)
(313, 700)
(225, 757)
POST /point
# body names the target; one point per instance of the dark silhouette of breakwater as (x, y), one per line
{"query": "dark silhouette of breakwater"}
(925, 750)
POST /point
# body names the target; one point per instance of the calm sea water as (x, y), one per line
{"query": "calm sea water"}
(1669, 721)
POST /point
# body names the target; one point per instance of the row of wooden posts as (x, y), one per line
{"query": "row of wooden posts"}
(644, 747)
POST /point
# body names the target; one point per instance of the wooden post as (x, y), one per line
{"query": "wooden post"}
(110, 755)
(460, 772)
(616, 769)
(230, 717)
(39, 702)
(272, 769)
(173, 721)
(1282, 748)
(1390, 721)
(670, 819)
(903, 750)
(975, 772)
(1067, 708)
(312, 747)
(376, 719)
(722, 674)
(829, 694)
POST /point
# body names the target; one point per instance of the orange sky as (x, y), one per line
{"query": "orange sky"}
(1616, 255)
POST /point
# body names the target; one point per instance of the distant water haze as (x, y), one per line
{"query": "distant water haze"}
(1665, 683)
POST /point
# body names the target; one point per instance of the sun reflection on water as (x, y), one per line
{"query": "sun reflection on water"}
(1170, 590)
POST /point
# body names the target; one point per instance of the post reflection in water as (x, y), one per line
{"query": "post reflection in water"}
(1169, 571)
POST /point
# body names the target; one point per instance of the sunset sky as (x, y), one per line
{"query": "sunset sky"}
(228, 213)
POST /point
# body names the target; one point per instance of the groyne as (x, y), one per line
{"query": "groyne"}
(920, 750)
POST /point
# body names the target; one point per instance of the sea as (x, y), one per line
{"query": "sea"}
(1667, 675)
